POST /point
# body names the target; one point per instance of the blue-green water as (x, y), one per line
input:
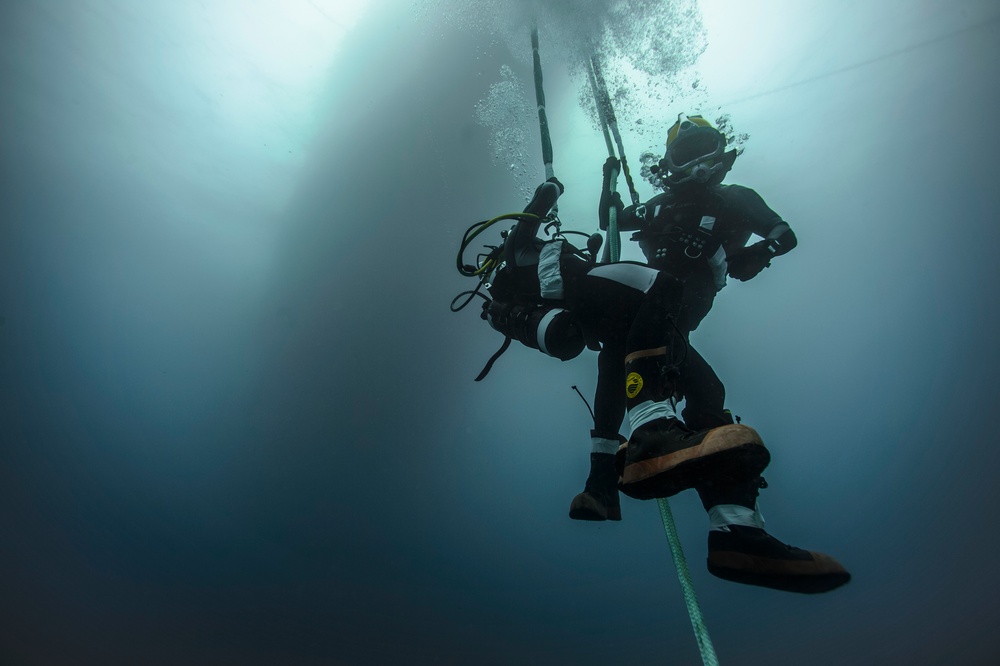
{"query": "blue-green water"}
(238, 423)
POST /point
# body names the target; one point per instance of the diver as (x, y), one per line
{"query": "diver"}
(696, 232)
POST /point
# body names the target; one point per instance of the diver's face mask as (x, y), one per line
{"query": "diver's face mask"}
(696, 157)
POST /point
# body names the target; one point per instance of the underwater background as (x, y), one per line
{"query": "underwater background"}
(237, 419)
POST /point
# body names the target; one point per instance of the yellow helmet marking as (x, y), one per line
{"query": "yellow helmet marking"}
(681, 119)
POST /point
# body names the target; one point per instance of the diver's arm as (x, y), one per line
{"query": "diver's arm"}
(748, 262)
(522, 246)
(778, 237)
(781, 239)
(632, 218)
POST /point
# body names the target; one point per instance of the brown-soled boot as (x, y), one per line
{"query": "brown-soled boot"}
(663, 456)
(599, 499)
(751, 556)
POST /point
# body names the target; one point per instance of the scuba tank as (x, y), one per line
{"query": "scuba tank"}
(532, 322)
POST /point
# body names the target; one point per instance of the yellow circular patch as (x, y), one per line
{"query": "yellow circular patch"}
(633, 384)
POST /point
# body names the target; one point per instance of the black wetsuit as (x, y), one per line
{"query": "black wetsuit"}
(690, 236)
(623, 306)
(630, 307)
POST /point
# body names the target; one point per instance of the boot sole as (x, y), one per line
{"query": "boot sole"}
(734, 452)
(803, 580)
(585, 507)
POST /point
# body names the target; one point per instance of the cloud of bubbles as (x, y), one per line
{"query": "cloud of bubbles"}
(509, 115)
(647, 50)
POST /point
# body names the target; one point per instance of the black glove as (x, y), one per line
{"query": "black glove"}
(544, 199)
(750, 261)
(611, 165)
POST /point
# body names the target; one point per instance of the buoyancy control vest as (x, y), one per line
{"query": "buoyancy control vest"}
(679, 237)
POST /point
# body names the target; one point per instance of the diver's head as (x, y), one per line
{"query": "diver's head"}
(696, 154)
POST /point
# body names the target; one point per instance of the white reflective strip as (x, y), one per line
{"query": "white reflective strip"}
(721, 516)
(543, 325)
(602, 445)
(779, 228)
(549, 274)
(656, 211)
(707, 222)
(630, 275)
(648, 411)
(717, 262)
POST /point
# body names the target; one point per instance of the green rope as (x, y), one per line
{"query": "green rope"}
(606, 114)
(614, 237)
(608, 120)
(599, 103)
(612, 121)
(684, 575)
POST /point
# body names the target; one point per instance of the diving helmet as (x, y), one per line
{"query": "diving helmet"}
(696, 154)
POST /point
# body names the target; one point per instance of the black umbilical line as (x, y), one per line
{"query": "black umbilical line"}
(575, 250)
(463, 268)
(673, 370)
(578, 233)
(585, 402)
(686, 344)
(472, 294)
(482, 257)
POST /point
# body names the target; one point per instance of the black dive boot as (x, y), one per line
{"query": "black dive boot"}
(599, 499)
(752, 556)
(747, 554)
(663, 456)
(702, 420)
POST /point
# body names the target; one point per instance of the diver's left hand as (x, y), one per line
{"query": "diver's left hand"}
(553, 179)
(749, 262)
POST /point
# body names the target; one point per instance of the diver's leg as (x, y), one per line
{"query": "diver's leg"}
(663, 456)
(740, 550)
(599, 499)
(704, 394)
